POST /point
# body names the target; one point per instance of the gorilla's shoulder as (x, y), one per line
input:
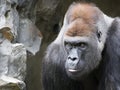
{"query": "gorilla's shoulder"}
(113, 38)
(116, 23)
(114, 30)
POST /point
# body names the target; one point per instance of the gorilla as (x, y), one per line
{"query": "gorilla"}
(86, 53)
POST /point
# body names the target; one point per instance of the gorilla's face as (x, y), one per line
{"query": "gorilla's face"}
(83, 55)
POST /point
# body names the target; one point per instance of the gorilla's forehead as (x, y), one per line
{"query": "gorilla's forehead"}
(76, 39)
(80, 28)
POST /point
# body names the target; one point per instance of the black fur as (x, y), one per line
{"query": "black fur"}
(54, 76)
(53, 71)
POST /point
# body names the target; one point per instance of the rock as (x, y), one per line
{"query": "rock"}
(18, 34)
(12, 63)
(29, 35)
(9, 83)
(9, 16)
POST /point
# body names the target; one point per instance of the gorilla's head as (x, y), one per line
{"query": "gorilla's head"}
(83, 40)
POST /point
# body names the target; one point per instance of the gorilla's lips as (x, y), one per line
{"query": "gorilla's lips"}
(73, 70)
(75, 73)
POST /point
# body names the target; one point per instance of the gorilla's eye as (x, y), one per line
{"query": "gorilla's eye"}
(68, 46)
(82, 45)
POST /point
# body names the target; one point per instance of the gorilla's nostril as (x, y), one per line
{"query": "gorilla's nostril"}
(69, 58)
(74, 58)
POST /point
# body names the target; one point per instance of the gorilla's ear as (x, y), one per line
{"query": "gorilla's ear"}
(99, 33)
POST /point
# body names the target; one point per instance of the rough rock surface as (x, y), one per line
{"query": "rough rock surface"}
(18, 34)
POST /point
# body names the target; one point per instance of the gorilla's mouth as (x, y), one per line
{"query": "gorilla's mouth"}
(73, 70)
(74, 73)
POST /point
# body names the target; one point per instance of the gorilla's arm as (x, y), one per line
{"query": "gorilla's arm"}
(111, 60)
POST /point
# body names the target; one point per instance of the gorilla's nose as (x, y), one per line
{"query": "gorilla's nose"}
(72, 58)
